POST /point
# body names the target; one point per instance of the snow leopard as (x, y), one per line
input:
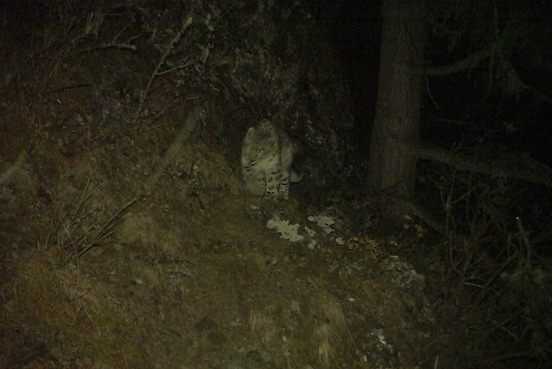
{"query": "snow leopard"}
(266, 158)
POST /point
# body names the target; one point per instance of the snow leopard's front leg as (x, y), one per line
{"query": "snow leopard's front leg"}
(284, 183)
(272, 181)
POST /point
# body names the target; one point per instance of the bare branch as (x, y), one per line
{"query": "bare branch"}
(522, 168)
(186, 23)
(467, 63)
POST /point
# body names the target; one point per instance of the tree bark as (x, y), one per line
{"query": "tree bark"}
(392, 168)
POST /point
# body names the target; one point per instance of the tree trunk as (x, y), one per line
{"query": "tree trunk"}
(392, 168)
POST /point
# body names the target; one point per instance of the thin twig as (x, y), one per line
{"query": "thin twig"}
(81, 201)
(524, 238)
(105, 230)
(109, 46)
(186, 23)
(175, 68)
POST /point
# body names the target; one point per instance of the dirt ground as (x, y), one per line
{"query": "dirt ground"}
(128, 241)
(196, 274)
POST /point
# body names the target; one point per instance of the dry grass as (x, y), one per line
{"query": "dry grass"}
(320, 333)
(54, 299)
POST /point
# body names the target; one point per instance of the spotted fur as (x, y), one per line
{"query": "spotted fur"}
(266, 158)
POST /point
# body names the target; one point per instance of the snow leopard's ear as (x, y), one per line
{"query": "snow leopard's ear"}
(248, 137)
(250, 130)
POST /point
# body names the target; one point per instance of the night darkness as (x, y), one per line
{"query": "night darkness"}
(209, 183)
(355, 28)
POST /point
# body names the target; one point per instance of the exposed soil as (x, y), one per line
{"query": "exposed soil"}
(124, 244)
(189, 276)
